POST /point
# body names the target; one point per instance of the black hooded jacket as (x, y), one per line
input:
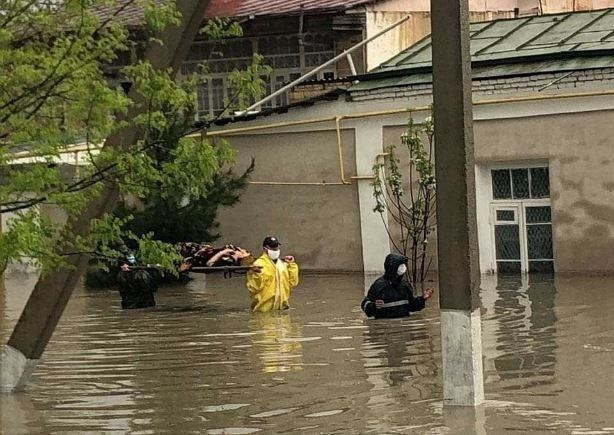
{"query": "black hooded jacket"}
(395, 291)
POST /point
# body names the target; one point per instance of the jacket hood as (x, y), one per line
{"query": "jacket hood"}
(391, 264)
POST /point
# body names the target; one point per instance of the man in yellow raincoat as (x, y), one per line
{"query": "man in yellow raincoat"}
(272, 278)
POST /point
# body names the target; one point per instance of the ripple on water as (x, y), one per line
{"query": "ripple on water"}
(273, 413)
(225, 407)
(298, 339)
(325, 413)
(233, 431)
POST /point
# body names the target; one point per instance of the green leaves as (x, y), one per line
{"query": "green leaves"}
(160, 14)
(249, 85)
(221, 28)
(29, 238)
(421, 157)
(154, 252)
(60, 75)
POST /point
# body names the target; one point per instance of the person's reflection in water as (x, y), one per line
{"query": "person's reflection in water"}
(277, 342)
(388, 342)
(399, 360)
(400, 351)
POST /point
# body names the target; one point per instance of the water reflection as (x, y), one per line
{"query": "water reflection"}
(519, 327)
(399, 360)
(394, 350)
(202, 362)
(278, 342)
(465, 420)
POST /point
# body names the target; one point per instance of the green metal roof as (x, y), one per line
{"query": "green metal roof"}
(543, 43)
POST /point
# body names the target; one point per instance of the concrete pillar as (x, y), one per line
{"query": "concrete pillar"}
(375, 242)
(459, 274)
(52, 292)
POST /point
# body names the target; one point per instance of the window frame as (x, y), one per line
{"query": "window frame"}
(527, 167)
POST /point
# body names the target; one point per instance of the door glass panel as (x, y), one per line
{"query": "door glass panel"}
(540, 183)
(507, 242)
(538, 215)
(539, 241)
(520, 181)
(506, 215)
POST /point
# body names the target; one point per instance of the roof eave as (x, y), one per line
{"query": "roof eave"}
(403, 72)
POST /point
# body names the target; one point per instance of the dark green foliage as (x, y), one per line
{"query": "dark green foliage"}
(171, 221)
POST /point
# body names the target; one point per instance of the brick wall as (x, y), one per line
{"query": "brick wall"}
(312, 90)
(511, 85)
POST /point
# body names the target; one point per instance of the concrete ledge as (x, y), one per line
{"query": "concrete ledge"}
(461, 343)
(15, 370)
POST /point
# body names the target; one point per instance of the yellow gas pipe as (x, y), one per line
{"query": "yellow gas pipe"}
(338, 119)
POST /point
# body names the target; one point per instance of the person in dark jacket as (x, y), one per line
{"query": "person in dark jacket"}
(391, 295)
(136, 285)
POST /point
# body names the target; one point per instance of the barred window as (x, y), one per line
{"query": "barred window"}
(521, 183)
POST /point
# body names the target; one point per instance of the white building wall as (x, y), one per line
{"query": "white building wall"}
(498, 99)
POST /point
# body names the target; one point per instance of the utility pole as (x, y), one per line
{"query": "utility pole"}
(459, 273)
(51, 293)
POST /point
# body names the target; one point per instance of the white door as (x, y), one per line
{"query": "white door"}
(520, 218)
(538, 250)
(507, 235)
(522, 232)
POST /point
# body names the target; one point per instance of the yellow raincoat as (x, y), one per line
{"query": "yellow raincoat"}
(270, 288)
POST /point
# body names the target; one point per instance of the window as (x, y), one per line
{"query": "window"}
(520, 183)
(281, 52)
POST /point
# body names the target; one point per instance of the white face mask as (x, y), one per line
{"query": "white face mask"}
(401, 270)
(273, 255)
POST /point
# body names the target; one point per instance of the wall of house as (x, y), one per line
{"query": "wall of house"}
(571, 133)
(578, 149)
(543, 83)
(320, 225)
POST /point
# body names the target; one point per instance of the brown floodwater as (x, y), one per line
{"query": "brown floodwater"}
(200, 362)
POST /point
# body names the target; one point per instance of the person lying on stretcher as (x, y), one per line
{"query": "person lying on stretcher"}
(208, 256)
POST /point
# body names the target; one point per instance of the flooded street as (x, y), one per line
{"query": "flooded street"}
(200, 362)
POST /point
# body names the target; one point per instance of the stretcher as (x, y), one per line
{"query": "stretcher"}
(226, 270)
(201, 269)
